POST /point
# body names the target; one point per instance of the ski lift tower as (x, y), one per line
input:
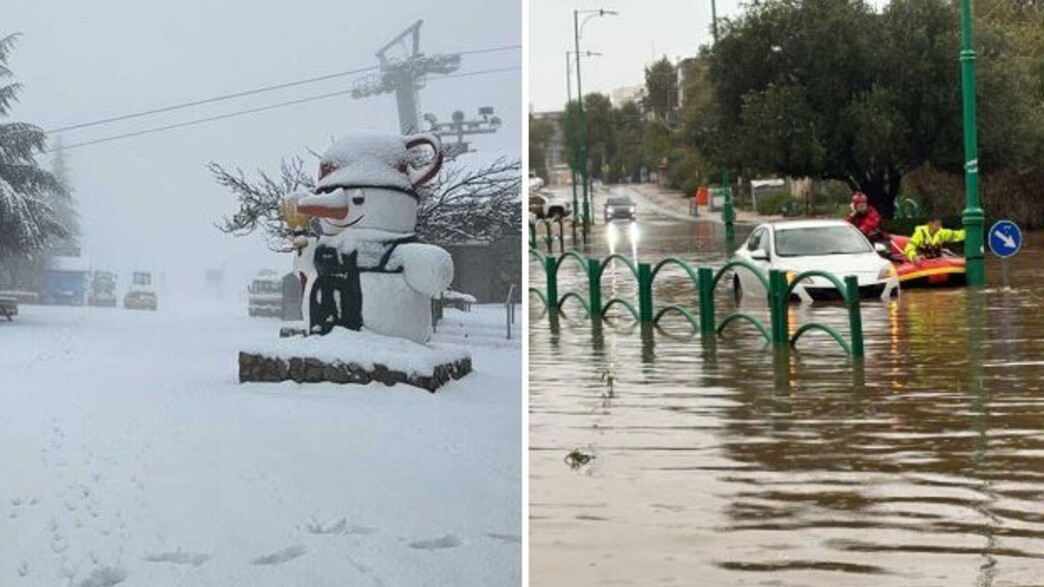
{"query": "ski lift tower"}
(405, 75)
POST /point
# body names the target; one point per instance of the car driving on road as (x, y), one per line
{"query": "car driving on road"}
(833, 246)
(620, 208)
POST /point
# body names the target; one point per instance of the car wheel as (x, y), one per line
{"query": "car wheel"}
(556, 214)
(737, 289)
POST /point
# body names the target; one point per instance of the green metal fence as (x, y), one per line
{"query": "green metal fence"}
(705, 281)
(550, 233)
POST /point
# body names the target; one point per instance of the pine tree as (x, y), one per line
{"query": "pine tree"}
(27, 222)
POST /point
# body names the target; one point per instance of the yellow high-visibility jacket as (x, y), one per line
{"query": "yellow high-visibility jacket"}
(923, 239)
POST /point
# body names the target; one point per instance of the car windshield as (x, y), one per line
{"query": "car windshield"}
(619, 202)
(820, 240)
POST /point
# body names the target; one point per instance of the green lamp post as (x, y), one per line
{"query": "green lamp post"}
(728, 215)
(577, 27)
(973, 217)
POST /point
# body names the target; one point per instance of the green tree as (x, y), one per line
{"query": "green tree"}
(661, 87)
(832, 90)
(27, 222)
(601, 132)
(541, 133)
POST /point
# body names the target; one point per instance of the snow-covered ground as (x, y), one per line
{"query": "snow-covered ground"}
(132, 456)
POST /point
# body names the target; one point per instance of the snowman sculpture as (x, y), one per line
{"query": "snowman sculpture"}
(366, 268)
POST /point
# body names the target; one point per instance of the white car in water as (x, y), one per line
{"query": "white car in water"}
(833, 246)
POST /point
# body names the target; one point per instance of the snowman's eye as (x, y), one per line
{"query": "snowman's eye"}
(358, 200)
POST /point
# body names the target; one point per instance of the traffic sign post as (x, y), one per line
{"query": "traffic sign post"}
(1005, 240)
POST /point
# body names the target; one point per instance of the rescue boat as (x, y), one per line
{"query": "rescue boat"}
(944, 271)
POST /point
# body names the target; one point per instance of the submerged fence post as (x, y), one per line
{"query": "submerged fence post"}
(645, 301)
(551, 272)
(855, 317)
(532, 236)
(549, 240)
(705, 276)
(594, 284)
(561, 236)
(778, 307)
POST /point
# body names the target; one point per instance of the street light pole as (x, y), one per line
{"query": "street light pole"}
(582, 161)
(728, 215)
(973, 217)
(580, 103)
(572, 151)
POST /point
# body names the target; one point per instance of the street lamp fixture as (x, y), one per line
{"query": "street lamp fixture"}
(577, 28)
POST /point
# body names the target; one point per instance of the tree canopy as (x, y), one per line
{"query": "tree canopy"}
(834, 90)
(27, 221)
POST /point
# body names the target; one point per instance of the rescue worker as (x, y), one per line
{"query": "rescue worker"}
(928, 240)
(866, 218)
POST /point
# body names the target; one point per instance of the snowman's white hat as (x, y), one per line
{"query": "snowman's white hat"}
(370, 159)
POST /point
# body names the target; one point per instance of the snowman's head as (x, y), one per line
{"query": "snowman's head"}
(384, 209)
(371, 181)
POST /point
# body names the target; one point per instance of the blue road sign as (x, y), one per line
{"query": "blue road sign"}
(1005, 238)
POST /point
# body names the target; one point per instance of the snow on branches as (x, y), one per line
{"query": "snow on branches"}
(463, 205)
(28, 221)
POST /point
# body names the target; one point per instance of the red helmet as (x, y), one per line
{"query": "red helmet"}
(858, 198)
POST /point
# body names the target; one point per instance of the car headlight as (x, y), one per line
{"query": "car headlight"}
(790, 276)
(887, 272)
(608, 209)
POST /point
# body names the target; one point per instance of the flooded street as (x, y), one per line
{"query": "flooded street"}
(725, 465)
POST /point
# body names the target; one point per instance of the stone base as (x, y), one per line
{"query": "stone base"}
(258, 367)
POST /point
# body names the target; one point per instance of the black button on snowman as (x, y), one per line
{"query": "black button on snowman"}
(366, 269)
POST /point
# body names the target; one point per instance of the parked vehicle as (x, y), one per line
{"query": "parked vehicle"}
(266, 295)
(103, 289)
(547, 205)
(620, 208)
(141, 295)
(65, 281)
(832, 246)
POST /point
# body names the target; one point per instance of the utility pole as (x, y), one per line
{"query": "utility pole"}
(973, 217)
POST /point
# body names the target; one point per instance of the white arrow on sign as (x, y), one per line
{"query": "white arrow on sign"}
(1007, 240)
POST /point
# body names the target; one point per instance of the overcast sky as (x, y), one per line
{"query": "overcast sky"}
(642, 32)
(149, 201)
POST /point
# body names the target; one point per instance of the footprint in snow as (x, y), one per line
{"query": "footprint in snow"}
(104, 577)
(277, 558)
(447, 541)
(178, 557)
(339, 527)
(509, 538)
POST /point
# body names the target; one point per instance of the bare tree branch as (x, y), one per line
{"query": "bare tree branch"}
(465, 205)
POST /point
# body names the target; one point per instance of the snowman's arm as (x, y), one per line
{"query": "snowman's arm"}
(427, 268)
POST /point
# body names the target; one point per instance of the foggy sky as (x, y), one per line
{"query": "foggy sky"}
(643, 32)
(148, 201)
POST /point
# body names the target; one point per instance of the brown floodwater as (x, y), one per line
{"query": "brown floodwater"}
(732, 465)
